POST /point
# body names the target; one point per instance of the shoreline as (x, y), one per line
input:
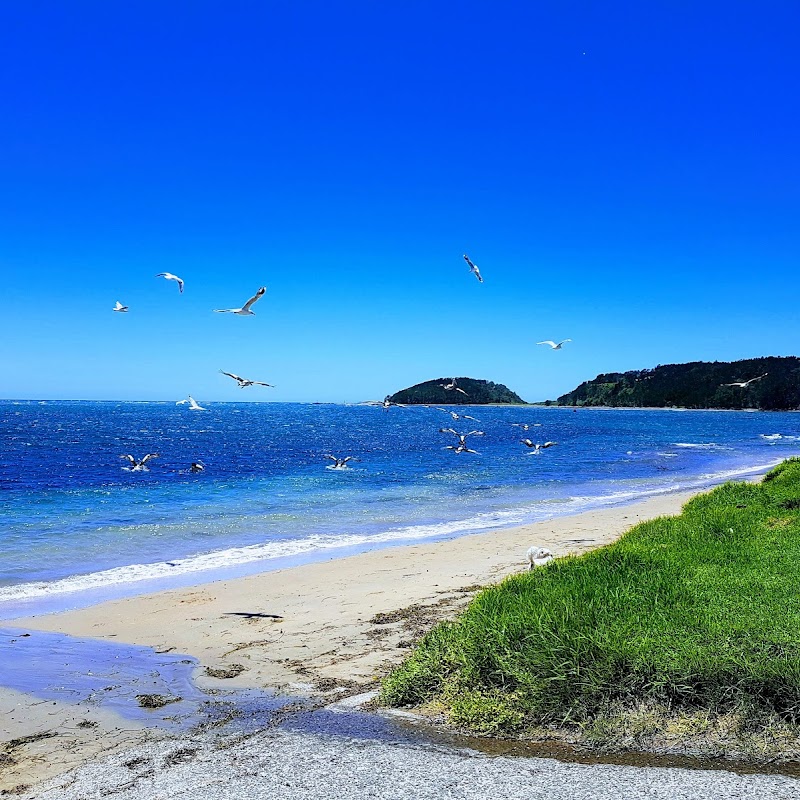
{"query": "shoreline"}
(95, 588)
(326, 628)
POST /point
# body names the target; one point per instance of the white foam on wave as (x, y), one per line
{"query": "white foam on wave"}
(319, 543)
(701, 446)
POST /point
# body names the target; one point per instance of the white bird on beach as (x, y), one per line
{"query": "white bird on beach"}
(338, 463)
(119, 307)
(745, 384)
(449, 387)
(245, 382)
(456, 416)
(136, 465)
(245, 310)
(170, 277)
(193, 404)
(473, 268)
(555, 345)
(538, 556)
(537, 448)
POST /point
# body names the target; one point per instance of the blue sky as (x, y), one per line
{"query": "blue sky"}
(625, 174)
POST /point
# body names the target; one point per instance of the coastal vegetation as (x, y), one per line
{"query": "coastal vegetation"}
(698, 384)
(474, 392)
(687, 623)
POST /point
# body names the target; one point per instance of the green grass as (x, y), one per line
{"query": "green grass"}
(695, 612)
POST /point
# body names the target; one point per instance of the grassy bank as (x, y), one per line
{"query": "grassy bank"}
(687, 617)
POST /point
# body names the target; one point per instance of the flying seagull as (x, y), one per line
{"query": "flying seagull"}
(538, 556)
(197, 466)
(473, 268)
(745, 384)
(461, 447)
(456, 416)
(136, 465)
(339, 463)
(244, 311)
(554, 345)
(449, 387)
(526, 426)
(119, 307)
(244, 382)
(170, 277)
(385, 404)
(537, 448)
(193, 404)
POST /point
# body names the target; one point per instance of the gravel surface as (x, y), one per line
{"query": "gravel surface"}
(279, 764)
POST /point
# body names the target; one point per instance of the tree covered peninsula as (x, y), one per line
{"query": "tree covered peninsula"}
(466, 391)
(773, 384)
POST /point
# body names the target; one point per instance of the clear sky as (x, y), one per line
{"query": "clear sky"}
(624, 174)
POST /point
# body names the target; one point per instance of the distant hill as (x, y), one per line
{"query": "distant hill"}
(477, 392)
(697, 385)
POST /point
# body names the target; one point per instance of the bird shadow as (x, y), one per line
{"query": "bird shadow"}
(252, 615)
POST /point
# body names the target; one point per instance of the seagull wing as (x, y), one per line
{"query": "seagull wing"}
(550, 342)
(448, 430)
(225, 310)
(332, 458)
(548, 444)
(346, 459)
(181, 402)
(130, 458)
(475, 433)
(231, 375)
(564, 342)
(148, 457)
(180, 283)
(261, 383)
(460, 390)
(254, 299)
(527, 442)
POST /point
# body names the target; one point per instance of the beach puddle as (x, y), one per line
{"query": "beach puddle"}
(138, 684)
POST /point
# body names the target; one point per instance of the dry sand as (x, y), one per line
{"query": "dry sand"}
(342, 622)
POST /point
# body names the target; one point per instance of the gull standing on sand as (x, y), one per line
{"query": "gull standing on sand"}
(121, 308)
(554, 345)
(245, 310)
(193, 405)
(745, 384)
(245, 382)
(537, 448)
(338, 463)
(136, 465)
(170, 277)
(538, 556)
(473, 268)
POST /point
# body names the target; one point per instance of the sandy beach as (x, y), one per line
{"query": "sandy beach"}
(323, 628)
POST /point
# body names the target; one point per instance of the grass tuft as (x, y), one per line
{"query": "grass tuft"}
(697, 614)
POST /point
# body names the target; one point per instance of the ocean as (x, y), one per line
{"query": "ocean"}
(77, 527)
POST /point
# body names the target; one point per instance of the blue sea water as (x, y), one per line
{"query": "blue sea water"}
(74, 524)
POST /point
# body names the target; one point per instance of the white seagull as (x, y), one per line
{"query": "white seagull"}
(339, 463)
(537, 448)
(526, 426)
(473, 268)
(449, 387)
(538, 556)
(245, 382)
(119, 307)
(385, 404)
(745, 384)
(244, 311)
(170, 277)
(193, 404)
(136, 465)
(455, 416)
(461, 447)
(555, 345)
